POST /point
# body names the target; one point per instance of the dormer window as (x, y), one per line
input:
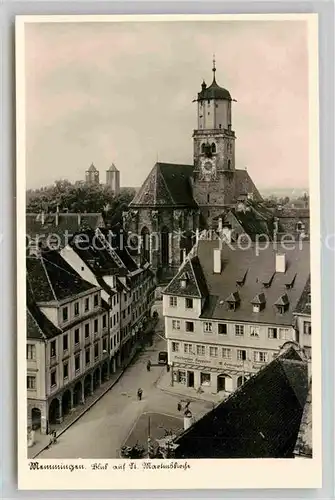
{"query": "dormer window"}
(282, 304)
(289, 282)
(267, 280)
(241, 279)
(233, 301)
(258, 303)
(184, 280)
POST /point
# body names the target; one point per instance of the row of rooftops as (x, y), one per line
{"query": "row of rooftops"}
(246, 285)
(51, 280)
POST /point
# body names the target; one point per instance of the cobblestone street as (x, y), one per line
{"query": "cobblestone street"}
(103, 429)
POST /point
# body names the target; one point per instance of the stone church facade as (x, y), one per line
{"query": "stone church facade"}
(177, 200)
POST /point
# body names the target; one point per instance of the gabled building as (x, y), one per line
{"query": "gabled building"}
(303, 319)
(259, 420)
(128, 288)
(229, 310)
(67, 339)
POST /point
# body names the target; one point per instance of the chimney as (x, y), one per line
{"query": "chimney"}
(42, 218)
(220, 224)
(217, 260)
(280, 263)
(57, 215)
(226, 233)
(79, 220)
(184, 254)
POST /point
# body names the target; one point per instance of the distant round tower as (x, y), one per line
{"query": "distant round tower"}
(113, 179)
(92, 175)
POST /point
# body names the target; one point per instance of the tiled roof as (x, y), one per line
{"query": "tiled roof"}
(260, 268)
(244, 184)
(70, 222)
(91, 168)
(195, 282)
(304, 303)
(51, 278)
(112, 168)
(167, 184)
(214, 91)
(304, 443)
(259, 420)
(39, 327)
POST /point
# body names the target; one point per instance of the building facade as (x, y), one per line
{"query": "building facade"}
(67, 340)
(229, 311)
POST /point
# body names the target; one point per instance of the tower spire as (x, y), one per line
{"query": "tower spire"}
(214, 68)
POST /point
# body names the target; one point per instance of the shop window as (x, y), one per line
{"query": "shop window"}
(205, 378)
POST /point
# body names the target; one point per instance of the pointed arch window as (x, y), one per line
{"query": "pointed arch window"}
(213, 147)
(203, 147)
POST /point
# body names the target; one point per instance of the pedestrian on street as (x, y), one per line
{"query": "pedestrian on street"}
(179, 406)
(54, 437)
(148, 365)
(139, 394)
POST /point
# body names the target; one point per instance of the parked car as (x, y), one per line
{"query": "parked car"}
(162, 358)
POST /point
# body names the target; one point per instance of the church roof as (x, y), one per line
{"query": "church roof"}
(168, 184)
(214, 91)
(112, 168)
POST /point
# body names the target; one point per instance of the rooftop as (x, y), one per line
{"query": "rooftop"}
(250, 275)
(259, 420)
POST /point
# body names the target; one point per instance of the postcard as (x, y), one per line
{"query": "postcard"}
(168, 253)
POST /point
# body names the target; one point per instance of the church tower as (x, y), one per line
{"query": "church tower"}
(214, 150)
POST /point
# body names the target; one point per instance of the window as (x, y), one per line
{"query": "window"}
(76, 308)
(272, 333)
(76, 336)
(308, 352)
(53, 379)
(254, 331)
(77, 363)
(65, 342)
(207, 327)
(260, 357)
(205, 378)
(189, 326)
(114, 340)
(96, 325)
(201, 350)
(31, 382)
(181, 377)
(87, 304)
(226, 353)
(31, 351)
(241, 354)
(208, 198)
(189, 303)
(175, 324)
(87, 356)
(65, 370)
(188, 349)
(96, 300)
(222, 328)
(104, 321)
(52, 349)
(213, 352)
(173, 301)
(104, 344)
(87, 330)
(239, 330)
(256, 308)
(96, 350)
(65, 314)
(175, 346)
(284, 334)
(124, 314)
(307, 328)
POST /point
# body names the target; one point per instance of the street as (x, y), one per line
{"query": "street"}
(103, 429)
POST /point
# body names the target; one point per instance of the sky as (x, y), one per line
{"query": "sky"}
(122, 93)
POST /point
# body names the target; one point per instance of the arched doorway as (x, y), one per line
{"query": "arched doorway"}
(96, 379)
(66, 402)
(77, 391)
(87, 385)
(225, 383)
(145, 244)
(54, 411)
(165, 246)
(104, 372)
(241, 380)
(36, 418)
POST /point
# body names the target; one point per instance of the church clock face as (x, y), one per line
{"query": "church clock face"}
(208, 169)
